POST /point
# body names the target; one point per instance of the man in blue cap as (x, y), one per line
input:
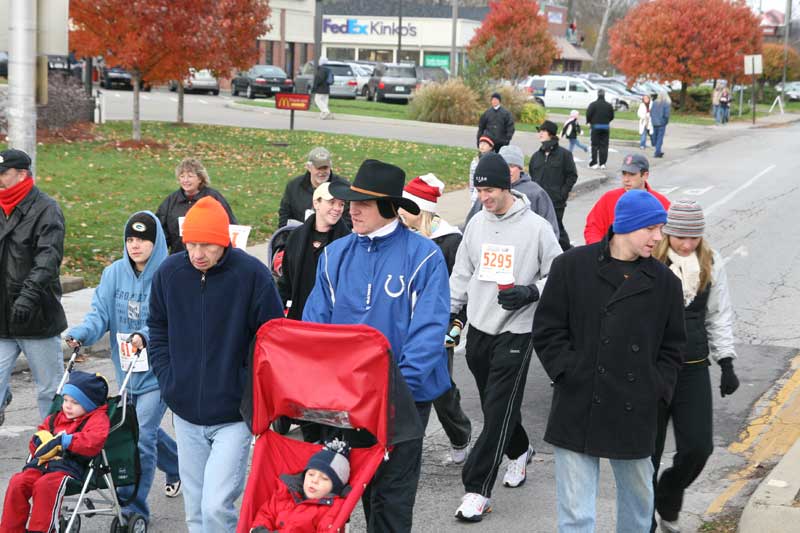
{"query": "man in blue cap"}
(609, 331)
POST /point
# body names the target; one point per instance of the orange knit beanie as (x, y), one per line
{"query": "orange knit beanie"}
(207, 222)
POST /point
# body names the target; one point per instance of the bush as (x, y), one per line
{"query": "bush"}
(532, 113)
(513, 98)
(450, 102)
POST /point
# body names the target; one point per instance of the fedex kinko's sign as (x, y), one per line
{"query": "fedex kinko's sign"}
(367, 27)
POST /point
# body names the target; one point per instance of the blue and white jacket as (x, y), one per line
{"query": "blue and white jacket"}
(398, 284)
(121, 305)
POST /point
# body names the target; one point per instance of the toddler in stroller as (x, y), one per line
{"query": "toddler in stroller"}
(61, 449)
(308, 496)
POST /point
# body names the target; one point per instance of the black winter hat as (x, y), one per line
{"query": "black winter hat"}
(497, 95)
(89, 390)
(143, 226)
(492, 171)
(14, 159)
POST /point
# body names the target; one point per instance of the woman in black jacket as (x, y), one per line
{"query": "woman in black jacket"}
(304, 246)
(194, 184)
(425, 190)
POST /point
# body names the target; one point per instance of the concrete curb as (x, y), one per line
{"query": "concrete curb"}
(775, 505)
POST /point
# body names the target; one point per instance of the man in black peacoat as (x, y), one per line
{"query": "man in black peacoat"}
(609, 331)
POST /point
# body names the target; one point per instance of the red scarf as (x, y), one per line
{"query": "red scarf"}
(11, 197)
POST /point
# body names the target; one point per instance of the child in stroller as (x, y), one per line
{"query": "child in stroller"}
(61, 449)
(307, 496)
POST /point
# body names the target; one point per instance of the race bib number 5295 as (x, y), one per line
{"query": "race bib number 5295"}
(496, 260)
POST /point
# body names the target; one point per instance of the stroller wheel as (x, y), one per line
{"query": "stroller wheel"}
(76, 524)
(137, 524)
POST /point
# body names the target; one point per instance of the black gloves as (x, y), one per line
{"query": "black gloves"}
(728, 383)
(453, 336)
(517, 297)
(22, 310)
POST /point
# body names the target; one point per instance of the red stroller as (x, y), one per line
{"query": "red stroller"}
(338, 375)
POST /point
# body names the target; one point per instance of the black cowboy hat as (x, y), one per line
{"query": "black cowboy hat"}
(376, 180)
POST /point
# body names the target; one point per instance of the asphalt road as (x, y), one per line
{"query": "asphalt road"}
(749, 189)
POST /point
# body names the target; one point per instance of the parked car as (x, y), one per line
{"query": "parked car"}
(362, 73)
(119, 77)
(391, 81)
(565, 91)
(4, 64)
(262, 80)
(535, 87)
(197, 81)
(620, 97)
(345, 84)
(426, 75)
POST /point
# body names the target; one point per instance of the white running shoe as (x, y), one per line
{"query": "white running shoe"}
(595, 166)
(670, 527)
(602, 167)
(459, 455)
(473, 507)
(516, 469)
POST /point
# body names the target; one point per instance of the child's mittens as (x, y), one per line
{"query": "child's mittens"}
(49, 449)
(40, 437)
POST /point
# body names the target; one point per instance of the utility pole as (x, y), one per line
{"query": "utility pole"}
(22, 77)
(453, 50)
(787, 26)
(400, 30)
(317, 31)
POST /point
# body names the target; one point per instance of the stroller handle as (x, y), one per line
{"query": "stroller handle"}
(68, 369)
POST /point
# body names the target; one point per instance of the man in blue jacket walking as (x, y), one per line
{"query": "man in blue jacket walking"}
(385, 276)
(206, 305)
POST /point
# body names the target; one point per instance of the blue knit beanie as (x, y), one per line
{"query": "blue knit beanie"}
(89, 390)
(334, 461)
(637, 209)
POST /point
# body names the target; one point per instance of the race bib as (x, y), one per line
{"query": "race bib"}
(497, 262)
(127, 354)
(239, 234)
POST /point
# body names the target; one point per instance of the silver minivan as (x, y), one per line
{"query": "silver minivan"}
(566, 91)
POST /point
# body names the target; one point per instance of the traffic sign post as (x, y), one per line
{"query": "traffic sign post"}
(293, 102)
(753, 66)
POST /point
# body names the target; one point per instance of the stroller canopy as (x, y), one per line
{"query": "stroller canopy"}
(339, 375)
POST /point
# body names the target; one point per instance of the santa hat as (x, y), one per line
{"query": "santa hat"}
(424, 191)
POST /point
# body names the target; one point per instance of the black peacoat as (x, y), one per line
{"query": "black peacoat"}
(612, 347)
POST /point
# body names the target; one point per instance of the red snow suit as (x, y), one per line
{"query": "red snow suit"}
(288, 510)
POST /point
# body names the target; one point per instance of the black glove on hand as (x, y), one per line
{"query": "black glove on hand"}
(22, 310)
(517, 297)
(728, 383)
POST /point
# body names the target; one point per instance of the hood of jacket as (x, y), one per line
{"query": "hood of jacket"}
(158, 255)
(444, 228)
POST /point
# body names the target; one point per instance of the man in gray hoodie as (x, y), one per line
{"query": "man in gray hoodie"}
(500, 267)
(539, 201)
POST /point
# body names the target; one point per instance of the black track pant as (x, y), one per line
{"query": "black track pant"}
(563, 238)
(691, 416)
(500, 366)
(599, 146)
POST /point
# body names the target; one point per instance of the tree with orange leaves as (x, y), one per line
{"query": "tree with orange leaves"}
(686, 40)
(773, 62)
(516, 39)
(159, 40)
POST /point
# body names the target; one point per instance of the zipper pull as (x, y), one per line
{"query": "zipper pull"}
(203, 281)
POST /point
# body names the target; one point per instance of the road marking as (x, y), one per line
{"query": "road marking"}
(116, 95)
(740, 251)
(202, 101)
(612, 151)
(145, 97)
(766, 437)
(173, 98)
(15, 431)
(668, 190)
(728, 197)
(698, 192)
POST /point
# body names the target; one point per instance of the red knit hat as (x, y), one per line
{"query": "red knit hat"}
(207, 221)
(424, 191)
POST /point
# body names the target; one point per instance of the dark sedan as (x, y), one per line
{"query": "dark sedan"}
(118, 77)
(264, 80)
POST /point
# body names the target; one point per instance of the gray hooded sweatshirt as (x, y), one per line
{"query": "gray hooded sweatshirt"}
(535, 247)
(540, 202)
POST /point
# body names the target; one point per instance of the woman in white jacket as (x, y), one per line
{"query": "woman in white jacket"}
(709, 333)
(645, 123)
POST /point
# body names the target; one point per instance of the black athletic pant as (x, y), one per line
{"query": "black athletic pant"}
(500, 366)
(691, 416)
(389, 498)
(563, 238)
(599, 146)
(455, 423)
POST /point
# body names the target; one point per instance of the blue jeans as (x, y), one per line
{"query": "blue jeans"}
(156, 448)
(658, 137)
(716, 112)
(46, 361)
(576, 142)
(213, 467)
(643, 138)
(577, 476)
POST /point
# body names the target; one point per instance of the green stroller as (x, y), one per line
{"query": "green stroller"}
(116, 466)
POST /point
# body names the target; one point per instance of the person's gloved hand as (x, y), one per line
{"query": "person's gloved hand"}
(49, 450)
(728, 383)
(517, 297)
(453, 336)
(72, 342)
(22, 310)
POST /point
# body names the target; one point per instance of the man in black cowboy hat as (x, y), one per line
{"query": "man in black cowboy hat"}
(396, 281)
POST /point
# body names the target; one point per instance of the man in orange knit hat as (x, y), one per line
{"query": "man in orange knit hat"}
(206, 305)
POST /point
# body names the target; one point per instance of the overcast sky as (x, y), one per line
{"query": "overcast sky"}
(780, 5)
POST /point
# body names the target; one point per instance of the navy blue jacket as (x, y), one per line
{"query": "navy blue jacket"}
(201, 327)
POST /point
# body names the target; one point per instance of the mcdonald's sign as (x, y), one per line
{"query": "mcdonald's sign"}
(292, 101)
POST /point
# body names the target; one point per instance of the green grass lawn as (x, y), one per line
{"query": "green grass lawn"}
(99, 183)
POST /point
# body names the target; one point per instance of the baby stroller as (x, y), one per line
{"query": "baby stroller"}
(116, 466)
(338, 375)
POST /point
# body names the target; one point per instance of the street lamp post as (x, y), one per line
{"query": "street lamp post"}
(787, 25)
(400, 30)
